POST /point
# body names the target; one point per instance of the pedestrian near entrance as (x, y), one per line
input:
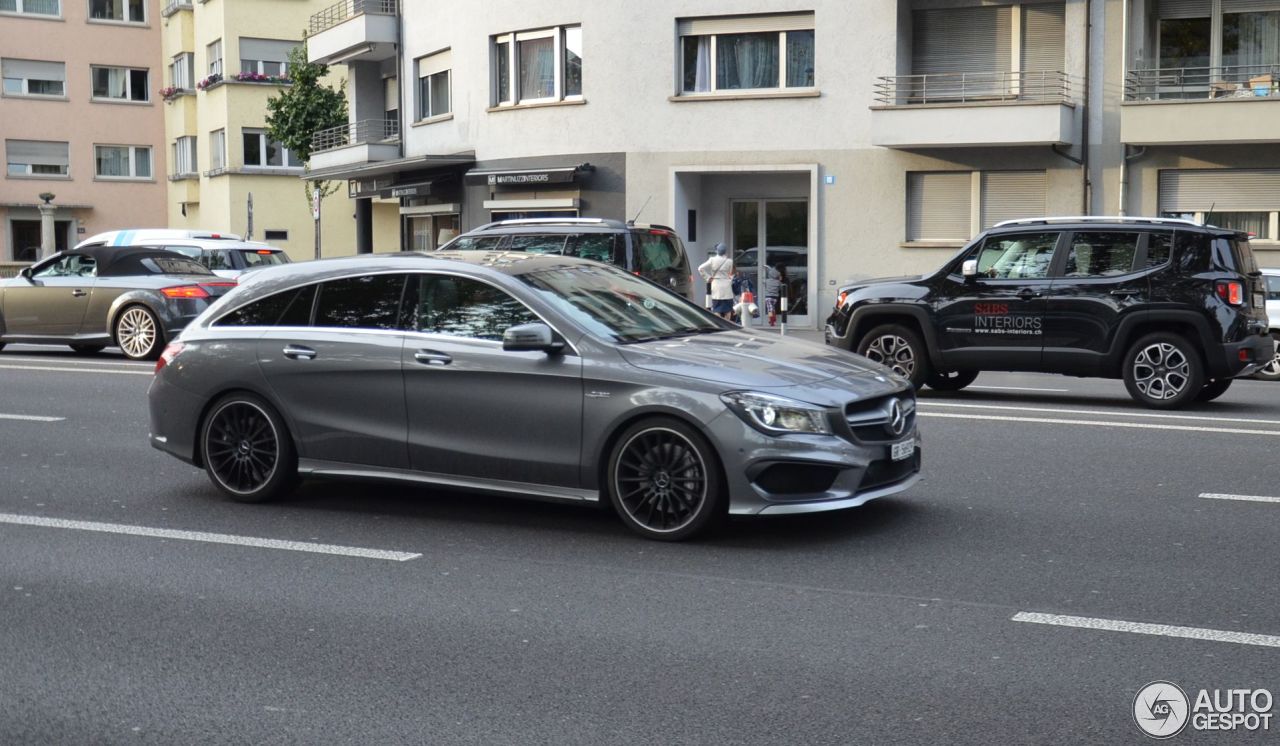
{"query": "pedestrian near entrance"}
(718, 270)
(775, 278)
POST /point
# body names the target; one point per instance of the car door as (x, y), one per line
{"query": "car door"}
(53, 299)
(480, 412)
(1102, 279)
(336, 371)
(994, 321)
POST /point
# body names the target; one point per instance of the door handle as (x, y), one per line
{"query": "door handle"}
(1125, 293)
(78, 293)
(431, 357)
(1028, 294)
(298, 352)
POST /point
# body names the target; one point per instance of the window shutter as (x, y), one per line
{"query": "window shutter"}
(745, 24)
(1009, 195)
(1219, 189)
(956, 40)
(35, 70)
(391, 94)
(37, 151)
(1044, 37)
(267, 50)
(1182, 9)
(938, 206)
(1249, 6)
(434, 63)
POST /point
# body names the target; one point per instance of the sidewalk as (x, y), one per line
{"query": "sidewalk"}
(809, 335)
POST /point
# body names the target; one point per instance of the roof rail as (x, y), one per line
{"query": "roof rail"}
(1098, 219)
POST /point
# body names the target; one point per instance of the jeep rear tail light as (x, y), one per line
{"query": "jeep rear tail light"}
(1231, 291)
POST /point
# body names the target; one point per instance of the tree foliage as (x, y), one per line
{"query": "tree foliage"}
(305, 107)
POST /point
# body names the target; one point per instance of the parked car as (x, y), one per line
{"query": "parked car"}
(223, 253)
(1173, 307)
(655, 252)
(133, 297)
(1271, 371)
(539, 376)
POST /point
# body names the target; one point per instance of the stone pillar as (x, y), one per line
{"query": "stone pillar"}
(364, 226)
(48, 241)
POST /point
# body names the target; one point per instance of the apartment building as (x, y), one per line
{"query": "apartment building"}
(224, 59)
(843, 140)
(79, 119)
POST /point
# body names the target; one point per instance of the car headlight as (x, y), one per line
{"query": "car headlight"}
(776, 414)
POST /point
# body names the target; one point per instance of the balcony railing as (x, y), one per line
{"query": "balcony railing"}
(974, 87)
(335, 14)
(173, 6)
(1195, 83)
(355, 133)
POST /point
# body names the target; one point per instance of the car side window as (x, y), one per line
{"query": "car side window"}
(1159, 249)
(1273, 287)
(460, 307)
(1017, 256)
(1193, 251)
(1101, 254)
(601, 247)
(290, 308)
(551, 244)
(71, 265)
(367, 302)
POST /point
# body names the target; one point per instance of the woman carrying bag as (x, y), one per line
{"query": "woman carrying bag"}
(718, 270)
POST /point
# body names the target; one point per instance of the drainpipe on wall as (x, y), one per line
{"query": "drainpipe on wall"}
(1086, 186)
(406, 240)
(1124, 61)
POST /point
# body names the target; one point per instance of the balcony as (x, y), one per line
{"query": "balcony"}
(366, 141)
(354, 31)
(1201, 105)
(173, 6)
(945, 110)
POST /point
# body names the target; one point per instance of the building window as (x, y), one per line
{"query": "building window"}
(213, 53)
(433, 85)
(32, 7)
(1246, 200)
(36, 158)
(746, 53)
(182, 71)
(275, 235)
(122, 161)
(532, 67)
(125, 11)
(261, 151)
(265, 56)
(954, 206)
(33, 78)
(121, 84)
(184, 156)
(217, 150)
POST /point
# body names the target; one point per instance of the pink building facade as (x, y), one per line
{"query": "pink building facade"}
(80, 118)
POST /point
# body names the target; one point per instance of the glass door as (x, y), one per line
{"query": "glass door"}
(770, 242)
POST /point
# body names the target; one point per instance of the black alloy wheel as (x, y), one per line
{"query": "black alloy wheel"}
(1163, 371)
(899, 349)
(664, 480)
(247, 451)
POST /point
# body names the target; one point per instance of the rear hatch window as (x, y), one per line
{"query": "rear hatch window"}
(263, 257)
(660, 257)
(1235, 254)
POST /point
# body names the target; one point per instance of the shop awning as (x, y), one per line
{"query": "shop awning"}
(379, 168)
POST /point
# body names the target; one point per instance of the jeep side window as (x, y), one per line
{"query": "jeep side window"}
(549, 244)
(1019, 256)
(1159, 249)
(1101, 254)
(1192, 251)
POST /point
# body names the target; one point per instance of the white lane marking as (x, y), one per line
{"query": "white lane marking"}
(1103, 412)
(1142, 628)
(1018, 388)
(1101, 423)
(1246, 498)
(73, 361)
(68, 369)
(202, 536)
(31, 418)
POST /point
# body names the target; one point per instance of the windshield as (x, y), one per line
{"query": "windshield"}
(615, 305)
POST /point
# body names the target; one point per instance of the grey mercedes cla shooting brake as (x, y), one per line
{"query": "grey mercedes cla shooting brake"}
(541, 376)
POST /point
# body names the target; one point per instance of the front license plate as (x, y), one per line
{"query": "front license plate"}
(903, 450)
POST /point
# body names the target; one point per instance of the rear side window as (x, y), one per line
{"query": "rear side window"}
(173, 265)
(601, 247)
(1191, 251)
(549, 244)
(290, 308)
(1273, 287)
(369, 302)
(460, 307)
(1101, 254)
(475, 243)
(1159, 249)
(656, 252)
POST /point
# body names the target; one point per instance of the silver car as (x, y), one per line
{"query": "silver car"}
(1271, 372)
(540, 376)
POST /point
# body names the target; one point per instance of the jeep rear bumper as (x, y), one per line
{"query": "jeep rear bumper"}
(1243, 358)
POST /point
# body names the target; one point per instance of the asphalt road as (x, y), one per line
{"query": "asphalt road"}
(516, 622)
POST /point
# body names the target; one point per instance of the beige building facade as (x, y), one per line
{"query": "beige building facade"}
(80, 119)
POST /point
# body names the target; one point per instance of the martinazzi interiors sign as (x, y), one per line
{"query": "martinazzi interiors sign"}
(555, 175)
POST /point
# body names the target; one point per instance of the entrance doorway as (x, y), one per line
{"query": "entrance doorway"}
(770, 241)
(24, 238)
(430, 232)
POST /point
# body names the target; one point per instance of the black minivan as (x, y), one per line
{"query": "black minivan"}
(654, 252)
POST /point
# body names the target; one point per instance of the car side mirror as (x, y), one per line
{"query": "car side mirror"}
(536, 337)
(969, 269)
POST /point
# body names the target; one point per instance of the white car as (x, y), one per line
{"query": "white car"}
(223, 253)
(1272, 279)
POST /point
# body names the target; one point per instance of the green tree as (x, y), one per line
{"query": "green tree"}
(302, 109)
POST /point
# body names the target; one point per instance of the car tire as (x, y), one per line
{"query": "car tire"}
(247, 449)
(1213, 389)
(951, 380)
(663, 480)
(1270, 372)
(88, 349)
(2, 344)
(1163, 371)
(898, 348)
(138, 333)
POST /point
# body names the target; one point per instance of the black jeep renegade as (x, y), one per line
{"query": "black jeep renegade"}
(1174, 308)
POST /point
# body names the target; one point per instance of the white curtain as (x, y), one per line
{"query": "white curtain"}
(702, 74)
(1257, 39)
(537, 68)
(113, 161)
(746, 61)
